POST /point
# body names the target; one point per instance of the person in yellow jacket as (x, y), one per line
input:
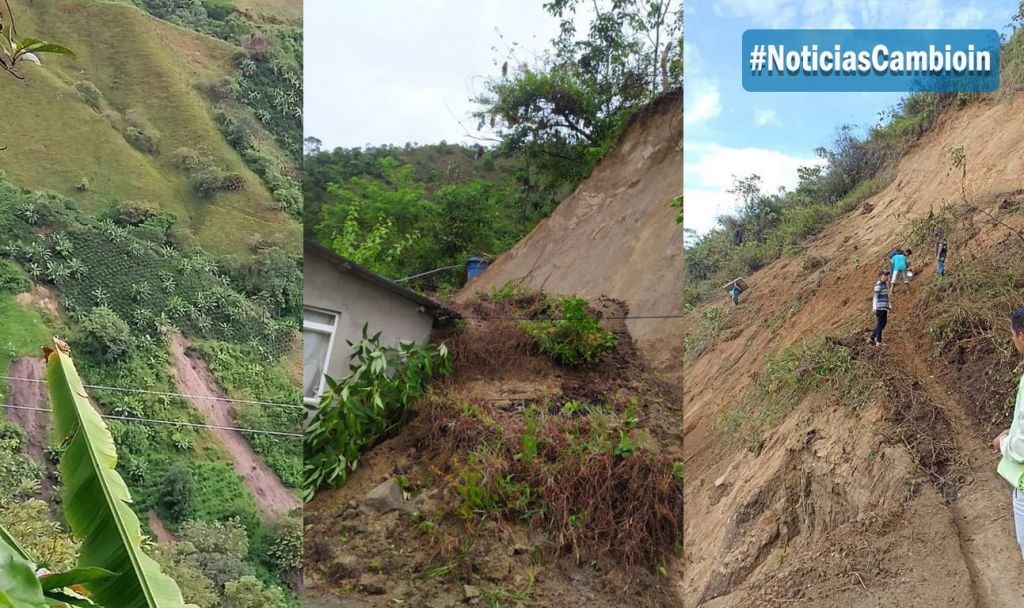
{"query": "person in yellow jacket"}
(1010, 442)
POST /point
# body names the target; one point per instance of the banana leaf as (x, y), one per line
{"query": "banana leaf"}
(96, 500)
(19, 587)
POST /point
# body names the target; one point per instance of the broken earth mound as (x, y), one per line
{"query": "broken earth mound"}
(519, 483)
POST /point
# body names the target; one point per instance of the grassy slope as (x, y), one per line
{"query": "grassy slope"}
(138, 63)
(23, 331)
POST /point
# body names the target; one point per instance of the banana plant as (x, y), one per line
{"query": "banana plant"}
(113, 571)
(96, 500)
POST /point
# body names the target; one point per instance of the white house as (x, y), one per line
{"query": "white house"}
(340, 298)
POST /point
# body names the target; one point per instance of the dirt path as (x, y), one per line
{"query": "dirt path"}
(194, 378)
(982, 510)
(30, 393)
(160, 531)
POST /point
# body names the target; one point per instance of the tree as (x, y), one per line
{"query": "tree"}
(311, 145)
(566, 109)
(250, 592)
(106, 335)
(178, 493)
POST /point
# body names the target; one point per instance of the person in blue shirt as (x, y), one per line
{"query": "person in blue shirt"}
(899, 267)
(1010, 442)
(735, 293)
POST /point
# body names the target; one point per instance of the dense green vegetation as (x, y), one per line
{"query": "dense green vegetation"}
(408, 210)
(107, 272)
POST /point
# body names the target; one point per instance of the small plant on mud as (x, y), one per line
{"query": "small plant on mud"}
(575, 339)
(367, 406)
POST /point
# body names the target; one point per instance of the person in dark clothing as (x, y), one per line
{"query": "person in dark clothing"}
(881, 306)
(735, 293)
(941, 249)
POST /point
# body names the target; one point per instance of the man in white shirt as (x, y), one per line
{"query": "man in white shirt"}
(1010, 442)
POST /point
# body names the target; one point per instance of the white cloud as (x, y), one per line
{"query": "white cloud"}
(702, 98)
(709, 170)
(766, 117)
(702, 101)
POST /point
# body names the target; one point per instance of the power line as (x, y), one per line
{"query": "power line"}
(423, 274)
(615, 318)
(159, 421)
(166, 394)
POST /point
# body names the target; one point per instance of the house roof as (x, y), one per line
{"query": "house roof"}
(344, 264)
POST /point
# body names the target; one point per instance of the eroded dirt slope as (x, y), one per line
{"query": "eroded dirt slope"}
(835, 511)
(616, 236)
(194, 378)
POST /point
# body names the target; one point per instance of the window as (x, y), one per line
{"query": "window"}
(318, 327)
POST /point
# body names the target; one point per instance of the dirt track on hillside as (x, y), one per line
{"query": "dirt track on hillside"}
(834, 511)
(32, 393)
(194, 378)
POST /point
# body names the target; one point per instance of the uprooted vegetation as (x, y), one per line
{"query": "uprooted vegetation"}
(516, 469)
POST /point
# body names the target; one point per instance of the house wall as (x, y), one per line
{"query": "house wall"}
(358, 301)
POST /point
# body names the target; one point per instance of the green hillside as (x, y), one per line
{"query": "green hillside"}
(144, 74)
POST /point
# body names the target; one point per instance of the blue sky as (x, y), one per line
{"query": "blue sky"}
(728, 131)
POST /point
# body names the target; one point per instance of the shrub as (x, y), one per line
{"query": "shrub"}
(574, 340)
(364, 408)
(133, 213)
(89, 94)
(282, 549)
(187, 158)
(178, 494)
(12, 278)
(223, 89)
(105, 335)
(146, 141)
(83, 185)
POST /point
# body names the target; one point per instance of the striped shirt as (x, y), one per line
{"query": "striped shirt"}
(881, 299)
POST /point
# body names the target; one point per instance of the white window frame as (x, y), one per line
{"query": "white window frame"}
(331, 331)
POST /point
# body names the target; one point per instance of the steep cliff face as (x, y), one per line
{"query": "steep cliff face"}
(892, 500)
(616, 236)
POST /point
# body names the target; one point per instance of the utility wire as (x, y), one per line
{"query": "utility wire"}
(166, 394)
(159, 421)
(423, 274)
(627, 317)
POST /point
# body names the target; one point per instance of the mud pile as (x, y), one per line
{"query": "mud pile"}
(895, 501)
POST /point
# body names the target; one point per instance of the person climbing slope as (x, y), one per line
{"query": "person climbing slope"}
(899, 267)
(881, 306)
(1010, 442)
(941, 249)
(735, 293)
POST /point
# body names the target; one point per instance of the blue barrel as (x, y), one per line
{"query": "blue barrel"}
(474, 266)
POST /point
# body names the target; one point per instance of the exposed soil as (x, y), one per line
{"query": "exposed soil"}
(897, 503)
(31, 392)
(616, 236)
(160, 531)
(360, 557)
(194, 378)
(42, 297)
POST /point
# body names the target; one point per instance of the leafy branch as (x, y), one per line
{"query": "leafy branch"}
(14, 50)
